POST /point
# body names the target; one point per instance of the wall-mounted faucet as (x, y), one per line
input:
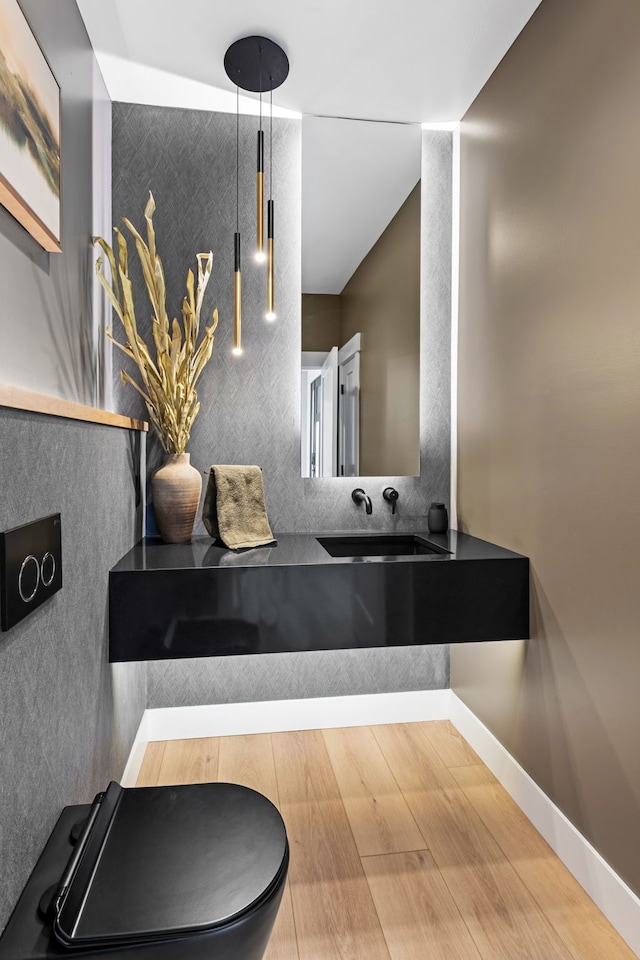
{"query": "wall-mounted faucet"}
(359, 496)
(391, 496)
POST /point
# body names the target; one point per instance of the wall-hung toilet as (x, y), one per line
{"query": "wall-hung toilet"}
(157, 873)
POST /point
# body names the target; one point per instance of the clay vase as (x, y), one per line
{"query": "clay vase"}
(176, 487)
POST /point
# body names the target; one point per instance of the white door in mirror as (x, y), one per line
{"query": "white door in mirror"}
(329, 415)
(349, 408)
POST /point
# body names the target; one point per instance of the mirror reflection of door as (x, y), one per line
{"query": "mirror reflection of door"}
(330, 402)
(349, 409)
(315, 429)
(329, 376)
(319, 405)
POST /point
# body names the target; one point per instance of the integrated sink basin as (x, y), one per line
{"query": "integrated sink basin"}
(387, 545)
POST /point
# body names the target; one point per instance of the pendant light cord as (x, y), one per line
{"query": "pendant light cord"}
(270, 143)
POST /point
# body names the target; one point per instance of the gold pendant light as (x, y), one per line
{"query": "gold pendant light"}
(237, 272)
(271, 310)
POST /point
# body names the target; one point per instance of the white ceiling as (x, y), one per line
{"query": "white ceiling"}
(412, 61)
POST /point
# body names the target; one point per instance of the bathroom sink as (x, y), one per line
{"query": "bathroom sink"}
(343, 590)
(389, 545)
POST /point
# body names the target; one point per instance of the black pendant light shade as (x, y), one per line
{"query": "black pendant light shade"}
(260, 194)
(258, 65)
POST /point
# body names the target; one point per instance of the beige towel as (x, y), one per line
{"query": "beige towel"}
(234, 509)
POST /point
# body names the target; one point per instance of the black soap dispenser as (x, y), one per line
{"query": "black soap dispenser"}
(437, 519)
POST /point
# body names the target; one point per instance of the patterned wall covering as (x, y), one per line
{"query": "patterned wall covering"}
(250, 407)
(292, 676)
(68, 719)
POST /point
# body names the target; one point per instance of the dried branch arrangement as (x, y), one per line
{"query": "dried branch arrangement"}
(168, 383)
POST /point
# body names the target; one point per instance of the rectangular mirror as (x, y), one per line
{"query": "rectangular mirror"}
(360, 380)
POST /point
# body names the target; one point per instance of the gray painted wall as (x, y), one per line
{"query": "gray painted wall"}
(67, 718)
(250, 407)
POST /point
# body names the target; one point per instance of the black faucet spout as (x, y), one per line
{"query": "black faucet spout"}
(359, 496)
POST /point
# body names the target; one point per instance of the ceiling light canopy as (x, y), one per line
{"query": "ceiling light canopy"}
(256, 64)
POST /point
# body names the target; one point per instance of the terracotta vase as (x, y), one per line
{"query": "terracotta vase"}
(176, 487)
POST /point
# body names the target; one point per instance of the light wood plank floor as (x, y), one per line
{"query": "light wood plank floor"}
(403, 847)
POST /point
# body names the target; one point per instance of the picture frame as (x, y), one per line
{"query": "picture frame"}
(30, 156)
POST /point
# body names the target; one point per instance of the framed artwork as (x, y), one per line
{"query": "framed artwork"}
(29, 130)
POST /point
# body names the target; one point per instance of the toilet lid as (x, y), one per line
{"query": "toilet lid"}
(164, 862)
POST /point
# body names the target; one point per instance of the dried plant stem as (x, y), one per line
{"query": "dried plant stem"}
(169, 381)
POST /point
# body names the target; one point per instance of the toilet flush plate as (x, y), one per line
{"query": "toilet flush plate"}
(30, 568)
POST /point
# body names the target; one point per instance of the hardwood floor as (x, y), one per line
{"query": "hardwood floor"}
(403, 847)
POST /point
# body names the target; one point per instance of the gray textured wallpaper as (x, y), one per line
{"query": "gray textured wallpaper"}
(250, 406)
(68, 719)
(292, 676)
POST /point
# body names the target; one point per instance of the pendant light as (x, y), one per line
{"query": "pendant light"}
(237, 272)
(260, 254)
(271, 313)
(259, 65)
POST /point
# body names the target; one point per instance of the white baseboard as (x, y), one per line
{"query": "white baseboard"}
(274, 716)
(615, 899)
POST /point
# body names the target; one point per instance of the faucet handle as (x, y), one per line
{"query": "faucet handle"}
(391, 495)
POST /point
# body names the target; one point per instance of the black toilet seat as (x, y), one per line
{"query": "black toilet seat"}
(158, 873)
(167, 862)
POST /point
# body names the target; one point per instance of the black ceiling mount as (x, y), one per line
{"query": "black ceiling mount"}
(256, 64)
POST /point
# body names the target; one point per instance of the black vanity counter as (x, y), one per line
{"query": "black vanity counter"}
(171, 601)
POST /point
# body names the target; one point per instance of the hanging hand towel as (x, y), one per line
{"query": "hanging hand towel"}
(234, 509)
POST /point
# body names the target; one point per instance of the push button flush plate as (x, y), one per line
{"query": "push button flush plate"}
(30, 568)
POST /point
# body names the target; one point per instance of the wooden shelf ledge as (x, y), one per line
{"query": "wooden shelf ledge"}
(19, 399)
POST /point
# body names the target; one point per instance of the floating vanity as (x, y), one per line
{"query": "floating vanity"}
(314, 592)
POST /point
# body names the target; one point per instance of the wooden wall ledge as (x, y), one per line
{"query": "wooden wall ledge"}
(19, 399)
